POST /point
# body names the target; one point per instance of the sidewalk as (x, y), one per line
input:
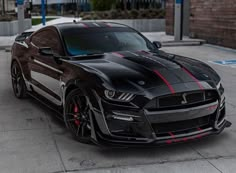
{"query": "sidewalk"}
(6, 42)
(168, 40)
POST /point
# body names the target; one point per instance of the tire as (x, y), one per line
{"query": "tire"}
(76, 116)
(18, 83)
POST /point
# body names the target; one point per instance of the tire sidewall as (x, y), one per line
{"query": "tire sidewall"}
(68, 97)
(23, 92)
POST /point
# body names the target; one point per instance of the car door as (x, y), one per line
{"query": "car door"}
(45, 72)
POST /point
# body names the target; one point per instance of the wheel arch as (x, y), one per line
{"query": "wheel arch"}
(70, 88)
(14, 59)
(84, 87)
(17, 61)
(76, 84)
(92, 100)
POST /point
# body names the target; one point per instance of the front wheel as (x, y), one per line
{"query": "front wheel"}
(76, 116)
(18, 83)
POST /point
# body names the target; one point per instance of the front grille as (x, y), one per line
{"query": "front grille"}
(160, 128)
(182, 100)
(179, 100)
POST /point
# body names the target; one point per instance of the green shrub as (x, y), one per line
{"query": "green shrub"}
(87, 17)
(36, 21)
(114, 13)
(96, 17)
(7, 18)
(134, 13)
(102, 5)
(120, 14)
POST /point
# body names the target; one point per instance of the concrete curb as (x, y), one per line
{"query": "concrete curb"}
(183, 43)
(6, 48)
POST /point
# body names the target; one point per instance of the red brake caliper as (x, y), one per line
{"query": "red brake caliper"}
(76, 110)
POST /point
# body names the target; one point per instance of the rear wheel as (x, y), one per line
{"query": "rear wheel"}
(76, 116)
(18, 83)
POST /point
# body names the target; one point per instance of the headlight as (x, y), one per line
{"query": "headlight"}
(118, 96)
(219, 86)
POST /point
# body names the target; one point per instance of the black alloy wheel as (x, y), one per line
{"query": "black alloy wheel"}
(76, 116)
(18, 83)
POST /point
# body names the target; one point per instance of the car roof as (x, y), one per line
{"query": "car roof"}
(53, 22)
(78, 24)
(84, 24)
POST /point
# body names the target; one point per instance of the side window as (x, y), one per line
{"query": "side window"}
(48, 38)
(37, 39)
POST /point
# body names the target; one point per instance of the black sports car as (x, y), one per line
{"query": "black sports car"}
(112, 86)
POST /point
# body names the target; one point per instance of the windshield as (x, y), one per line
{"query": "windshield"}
(101, 41)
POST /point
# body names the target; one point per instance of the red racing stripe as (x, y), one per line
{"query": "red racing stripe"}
(118, 54)
(196, 80)
(199, 129)
(107, 24)
(86, 26)
(166, 82)
(143, 51)
(199, 135)
(171, 134)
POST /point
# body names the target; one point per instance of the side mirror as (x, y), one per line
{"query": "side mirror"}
(46, 51)
(157, 44)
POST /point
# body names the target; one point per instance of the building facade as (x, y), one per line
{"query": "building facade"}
(214, 21)
(130, 3)
(9, 5)
(38, 2)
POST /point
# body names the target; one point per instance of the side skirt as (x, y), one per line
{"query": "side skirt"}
(57, 109)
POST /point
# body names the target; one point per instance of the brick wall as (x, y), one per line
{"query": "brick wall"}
(212, 20)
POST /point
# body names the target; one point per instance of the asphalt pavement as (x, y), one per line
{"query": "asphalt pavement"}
(32, 140)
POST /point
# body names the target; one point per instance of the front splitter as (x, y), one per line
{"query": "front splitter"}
(106, 141)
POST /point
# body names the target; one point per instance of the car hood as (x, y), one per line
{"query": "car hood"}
(137, 71)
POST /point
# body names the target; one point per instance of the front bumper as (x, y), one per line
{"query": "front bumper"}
(139, 128)
(159, 141)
